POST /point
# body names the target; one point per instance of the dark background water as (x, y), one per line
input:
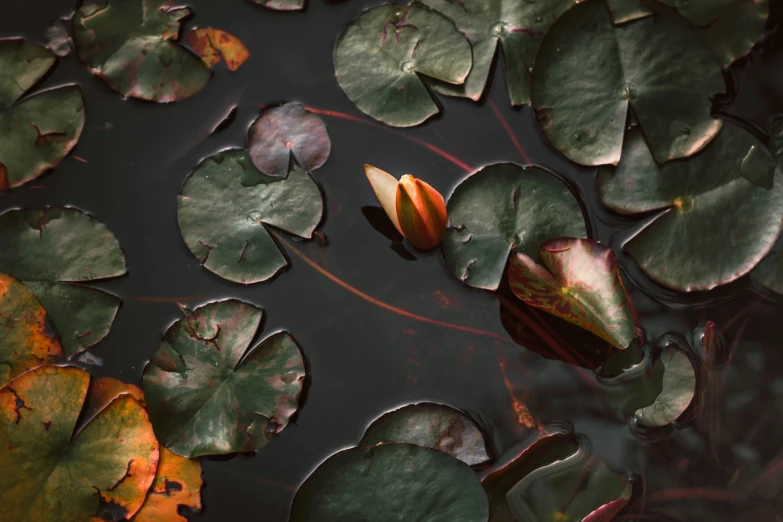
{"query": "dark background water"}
(365, 360)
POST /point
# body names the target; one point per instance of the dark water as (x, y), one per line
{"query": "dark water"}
(365, 360)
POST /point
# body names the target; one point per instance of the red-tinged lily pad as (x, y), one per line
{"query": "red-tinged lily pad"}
(54, 252)
(505, 208)
(27, 336)
(379, 57)
(390, 483)
(226, 209)
(431, 426)
(214, 46)
(516, 27)
(177, 484)
(590, 72)
(209, 393)
(719, 212)
(101, 471)
(37, 131)
(578, 280)
(131, 44)
(284, 132)
(282, 5)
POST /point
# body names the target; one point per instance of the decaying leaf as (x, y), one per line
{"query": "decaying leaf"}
(209, 393)
(100, 472)
(177, 483)
(214, 45)
(58, 37)
(37, 131)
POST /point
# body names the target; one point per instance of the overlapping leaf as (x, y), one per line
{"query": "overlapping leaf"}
(37, 131)
(177, 484)
(214, 46)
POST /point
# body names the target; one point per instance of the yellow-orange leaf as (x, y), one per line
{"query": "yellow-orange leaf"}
(177, 483)
(213, 45)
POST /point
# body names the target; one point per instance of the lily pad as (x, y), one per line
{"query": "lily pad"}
(677, 391)
(430, 426)
(177, 484)
(624, 11)
(286, 131)
(53, 252)
(713, 224)
(214, 46)
(589, 72)
(580, 282)
(379, 57)
(389, 483)
(769, 273)
(517, 27)
(506, 208)
(99, 472)
(208, 393)
(131, 44)
(27, 337)
(282, 5)
(37, 131)
(226, 206)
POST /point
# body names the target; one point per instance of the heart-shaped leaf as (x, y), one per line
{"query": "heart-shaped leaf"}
(389, 483)
(378, 59)
(282, 5)
(226, 206)
(214, 46)
(588, 72)
(286, 131)
(714, 225)
(517, 27)
(431, 426)
(131, 44)
(53, 252)
(100, 472)
(580, 282)
(505, 208)
(38, 131)
(208, 393)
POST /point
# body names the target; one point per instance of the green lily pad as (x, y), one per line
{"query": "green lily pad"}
(730, 26)
(53, 252)
(131, 44)
(714, 225)
(226, 206)
(378, 59)
(100, 472)
(518, 27)
(282, 5)
(506, 208)
(678, 388)
(37, 131)
(390, 483)
(580, 282)
(286, 131)
(588, 73)
(209, 393)
(430, 426)
(769, 273)
(624, 11)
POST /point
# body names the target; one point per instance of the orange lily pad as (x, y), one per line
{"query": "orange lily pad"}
(177, 483)
(214, 45)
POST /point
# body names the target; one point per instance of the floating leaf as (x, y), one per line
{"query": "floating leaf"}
(207, 393)
(282, 5)
(518, 27)
(100, 472)
(505, 208)
(677, 391)
(214, 45)
(580, 282)
(431, 426)
(226, 205)
(58, 37)
(389, 483)
(104, 390)
(378, 59)
(177, 483)
(286, 131)
(38, 131)
(769, 273)
(589, 72)
(131, 44)
(624, 11)
(714, 225)
(27, 337)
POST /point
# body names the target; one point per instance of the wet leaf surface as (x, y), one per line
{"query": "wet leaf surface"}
(430, 426)
(214, 46)
(39, 130)
(623, 11)
(389, 483)
(208, 393)
(131, 44)
(506, 208)
(589, 72)
(177, 484)
(769, 273)
(282, 5)
(100, 472)
(379, 57)
(281, 133)
(226, 206)
(515, 27)
(714, 225)
(678, 388)
(578, 280)
(53, 252)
